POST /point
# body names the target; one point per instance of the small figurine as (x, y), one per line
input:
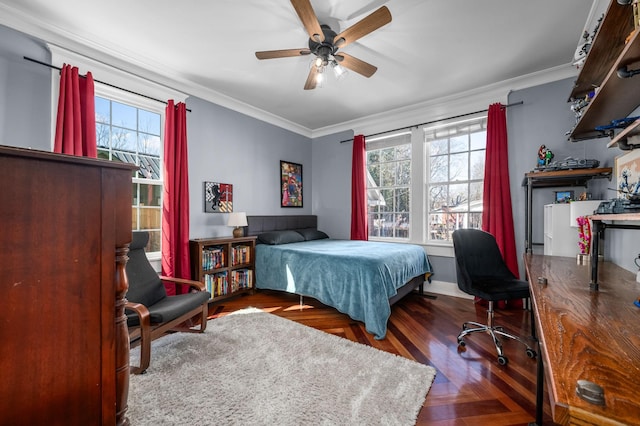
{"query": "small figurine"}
(544, 156)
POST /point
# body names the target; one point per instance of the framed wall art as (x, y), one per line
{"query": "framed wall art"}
(218, 197)
(628, 174)
(290, 184)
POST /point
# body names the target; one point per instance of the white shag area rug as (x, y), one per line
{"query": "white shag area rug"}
(255, 368)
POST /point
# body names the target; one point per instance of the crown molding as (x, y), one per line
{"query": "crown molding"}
(442, 108)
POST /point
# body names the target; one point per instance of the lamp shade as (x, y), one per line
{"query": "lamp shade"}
(237, 219)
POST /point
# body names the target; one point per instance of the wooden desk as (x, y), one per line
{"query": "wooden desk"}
(587, 335)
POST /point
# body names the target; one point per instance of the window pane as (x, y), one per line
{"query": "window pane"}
(402, 225)
(475, 221)
(388, 154)
(134, 219)
(459, 143)
(124, 140)
(102, 135)
(123, 115)
(404, 173)
(388, 174)
(103, 114)
(373, 157)
(403, 152)
(459, 164)
(477, 159)
(149, 122)
(374, 171)
(440, 146)
(150, 218)
(150, 195)
(154, 241)
(387, 194)
(402, 200)
(455, 188)
(475, 196)
(149, 144)
(459, 199)
(439, 168)
(479, 140)
(437, 197)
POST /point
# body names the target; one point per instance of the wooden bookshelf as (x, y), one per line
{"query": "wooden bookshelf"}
(226, 265)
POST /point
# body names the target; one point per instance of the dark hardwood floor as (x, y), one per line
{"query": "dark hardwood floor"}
(470, 387)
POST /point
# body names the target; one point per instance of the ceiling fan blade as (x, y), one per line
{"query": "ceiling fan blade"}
(312, 79)
(309, 19)
(355, 64)
(363, 27)
(285, 53)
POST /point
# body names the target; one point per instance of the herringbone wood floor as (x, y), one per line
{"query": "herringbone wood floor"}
(470, 387)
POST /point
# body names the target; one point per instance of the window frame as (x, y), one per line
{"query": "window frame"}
(480, 122)
(140, 102)
(391, 140)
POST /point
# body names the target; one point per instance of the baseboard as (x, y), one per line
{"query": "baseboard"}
(445, 288)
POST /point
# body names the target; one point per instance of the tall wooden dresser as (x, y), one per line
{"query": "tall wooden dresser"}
(65, 229)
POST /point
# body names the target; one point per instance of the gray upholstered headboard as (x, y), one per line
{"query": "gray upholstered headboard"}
(259, 224)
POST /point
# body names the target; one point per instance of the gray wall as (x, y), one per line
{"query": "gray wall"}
(331, 165)
(229, 147)
(544, 118)
(25, 92)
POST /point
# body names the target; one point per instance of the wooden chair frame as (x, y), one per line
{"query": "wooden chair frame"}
(147, 332)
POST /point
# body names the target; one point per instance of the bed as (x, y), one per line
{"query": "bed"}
(359, 278)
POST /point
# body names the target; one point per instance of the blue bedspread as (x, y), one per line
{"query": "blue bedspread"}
(355, 277)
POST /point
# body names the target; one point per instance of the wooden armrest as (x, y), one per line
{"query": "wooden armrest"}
(141, 311)
(195, 284)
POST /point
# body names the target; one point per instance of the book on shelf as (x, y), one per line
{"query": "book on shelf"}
(241, 279)
(217, 284)
(240, 254)
(213, 258)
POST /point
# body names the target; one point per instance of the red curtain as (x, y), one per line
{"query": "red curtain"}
(76, 121)
(359, 225)
(497, 216)
(175, 204)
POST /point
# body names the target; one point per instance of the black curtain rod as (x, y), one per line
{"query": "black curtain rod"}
(101, 82)
(433, 121)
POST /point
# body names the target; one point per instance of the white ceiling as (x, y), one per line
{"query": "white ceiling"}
(432, 48)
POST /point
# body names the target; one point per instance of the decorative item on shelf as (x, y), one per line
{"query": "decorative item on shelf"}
(584, 239)
(237, 220)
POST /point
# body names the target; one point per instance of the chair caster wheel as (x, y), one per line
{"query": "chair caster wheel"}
(503, 360)
(462, 343)
(531, 353)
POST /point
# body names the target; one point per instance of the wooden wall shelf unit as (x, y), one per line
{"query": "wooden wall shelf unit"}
(556, 178)
(585, 335)
(616, 97)
(225, 265)
(64, 343)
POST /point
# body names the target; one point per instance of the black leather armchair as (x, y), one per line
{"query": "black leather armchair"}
(150, 312)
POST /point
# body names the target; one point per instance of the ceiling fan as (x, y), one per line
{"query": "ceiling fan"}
(324, 43)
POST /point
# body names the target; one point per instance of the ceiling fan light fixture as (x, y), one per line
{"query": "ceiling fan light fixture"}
(339, 71)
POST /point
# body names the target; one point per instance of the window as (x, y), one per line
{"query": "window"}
(455, 157)
(130, 134)
(388, 186)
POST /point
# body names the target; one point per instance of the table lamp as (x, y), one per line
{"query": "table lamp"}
(237, 220)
